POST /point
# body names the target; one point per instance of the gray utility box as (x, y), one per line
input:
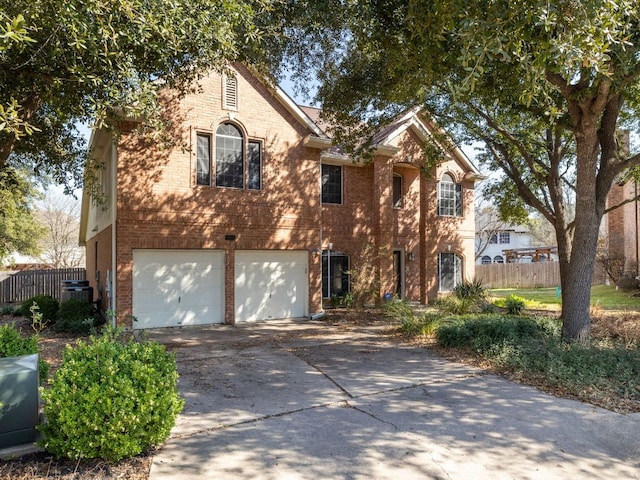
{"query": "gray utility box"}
(19, 397)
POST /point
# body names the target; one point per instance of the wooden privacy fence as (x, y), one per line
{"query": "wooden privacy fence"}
(19, 286)
(525, 275)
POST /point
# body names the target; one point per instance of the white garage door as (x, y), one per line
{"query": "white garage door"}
(177, 287)
(270, 284)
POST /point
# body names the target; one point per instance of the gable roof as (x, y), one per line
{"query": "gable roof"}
(382, 140)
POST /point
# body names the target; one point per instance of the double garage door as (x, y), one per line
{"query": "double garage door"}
(186, 287)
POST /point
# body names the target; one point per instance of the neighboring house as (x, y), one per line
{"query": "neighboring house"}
(260, 218)
(621, 228)
(506, 237)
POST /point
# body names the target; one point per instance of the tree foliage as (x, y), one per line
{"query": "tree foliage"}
(88, 61)
(20, 232)
(545, 86)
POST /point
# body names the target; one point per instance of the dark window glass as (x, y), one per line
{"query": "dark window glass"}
(449, 271)
(486, 260)
(331, 184)
(397, 191)
(335, 280)
(229, 157)
(255, 166)
(203, 155)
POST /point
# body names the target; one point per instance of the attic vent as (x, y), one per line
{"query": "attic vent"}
(230, 92)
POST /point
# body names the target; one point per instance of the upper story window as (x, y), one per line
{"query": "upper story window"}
(203, 159)
(254, 158)
(331, 184)
(230, 162)
(449, 197)
(397, 190)
(229, 92)
(493, 239)
(505, 237)
(229, 156)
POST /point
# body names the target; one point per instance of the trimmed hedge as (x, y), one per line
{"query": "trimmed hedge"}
(111, 399)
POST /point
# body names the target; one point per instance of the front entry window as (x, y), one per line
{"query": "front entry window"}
(335, 280)
(449, 271)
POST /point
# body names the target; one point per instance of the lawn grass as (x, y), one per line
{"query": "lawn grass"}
(603, 296)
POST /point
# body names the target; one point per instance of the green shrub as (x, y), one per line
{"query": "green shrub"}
(10, 310)
(474, 290)
(483, 332)
(111, 399)
(13, 344)
(47, 304)
(514, 304)
(75, 316)
(425, 324)
(453, 305)
(398, 309)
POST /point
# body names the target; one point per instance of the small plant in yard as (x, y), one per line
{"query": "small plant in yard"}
(47, 305)
(474, 290)
(426, 323)
(37, 321)
(453, 305)
(514, 304)
(111, 399)
(398, 309)
(13, 344)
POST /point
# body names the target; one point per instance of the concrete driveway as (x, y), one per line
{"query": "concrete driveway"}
(307, 400)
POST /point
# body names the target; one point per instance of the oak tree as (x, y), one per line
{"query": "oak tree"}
(545, 86)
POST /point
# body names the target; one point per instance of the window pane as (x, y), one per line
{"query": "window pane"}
(255, 166)
(335, 280)
(505, 237)
(331, 184)
(229, 157)
(449, 197)
(397, 191)
(203, 157)
(486, 260)
(449, 271)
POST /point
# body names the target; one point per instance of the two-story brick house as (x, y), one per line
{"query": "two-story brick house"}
(255, 216)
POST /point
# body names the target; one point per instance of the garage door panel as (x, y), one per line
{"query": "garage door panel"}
(178, 287)
(270, 284)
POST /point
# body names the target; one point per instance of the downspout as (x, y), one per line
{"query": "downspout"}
(114, 203)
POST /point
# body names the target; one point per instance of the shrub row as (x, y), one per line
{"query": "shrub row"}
(72, 315)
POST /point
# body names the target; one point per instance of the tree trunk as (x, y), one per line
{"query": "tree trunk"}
(578, 274)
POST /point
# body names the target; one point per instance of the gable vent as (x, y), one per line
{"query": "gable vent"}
(230, 92)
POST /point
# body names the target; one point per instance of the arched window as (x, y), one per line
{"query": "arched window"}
(449, 271)
(229, 156)
(498, 259)
(486, 260)
(449, 197)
